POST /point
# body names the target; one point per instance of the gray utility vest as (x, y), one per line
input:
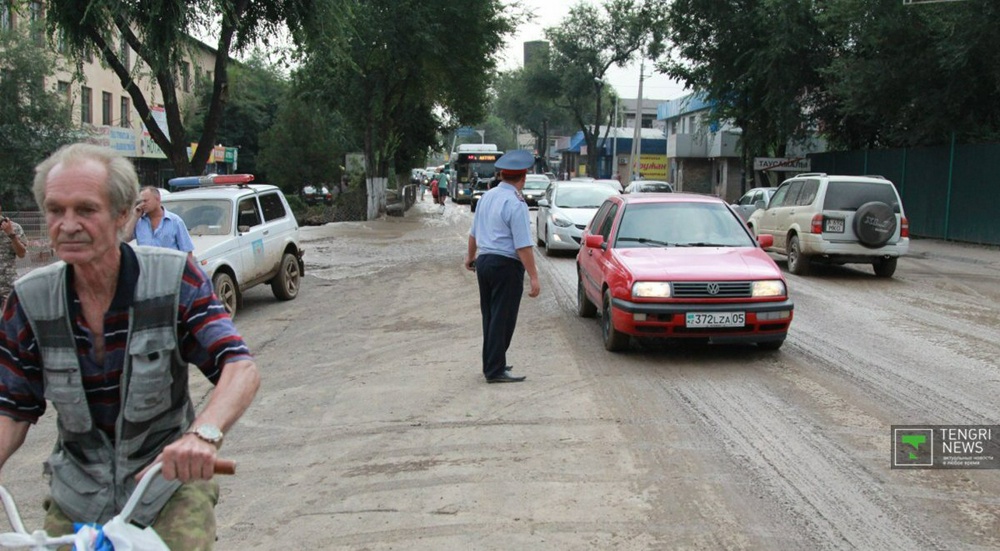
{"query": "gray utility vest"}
(91, 476)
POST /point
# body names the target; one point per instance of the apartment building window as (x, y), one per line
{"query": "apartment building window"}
(125, 54)
(62, 87)
(691, 126)
(106, 114)
(86, 114)
(126, 113)
(6, 16)
(186, 76)
(36, 14)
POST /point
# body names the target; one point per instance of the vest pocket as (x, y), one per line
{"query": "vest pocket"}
(149, 386)
(64, 388)
(83, 492)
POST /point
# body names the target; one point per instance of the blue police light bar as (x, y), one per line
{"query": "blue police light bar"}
(213, 180)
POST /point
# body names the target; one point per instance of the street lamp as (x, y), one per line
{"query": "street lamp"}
(482, 136)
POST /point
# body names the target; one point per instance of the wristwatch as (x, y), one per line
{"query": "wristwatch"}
(209, 433)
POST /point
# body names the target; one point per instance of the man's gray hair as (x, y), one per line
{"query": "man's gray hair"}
(152, 189)
(122, 184)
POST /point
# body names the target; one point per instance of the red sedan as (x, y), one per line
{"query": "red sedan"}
(677, 265)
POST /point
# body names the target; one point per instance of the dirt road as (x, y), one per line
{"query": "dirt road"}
(375, 430)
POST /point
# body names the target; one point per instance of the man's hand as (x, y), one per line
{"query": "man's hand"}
(7, 226)
(186, 459)
(536, 287)
(470, 264)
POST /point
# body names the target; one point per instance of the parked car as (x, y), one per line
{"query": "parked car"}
(565, 211)
(614, 184)
(314, 195)
(534, 188)
(680, 266)
(649, 186)
(756, 198)
(815, 217)
(243, 235)
(479, 188)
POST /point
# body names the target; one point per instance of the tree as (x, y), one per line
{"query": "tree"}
(34, 121)
(757, 61)
(256, 89)
(399, 64)
(588, 42)
(524, 98)
(159, 33)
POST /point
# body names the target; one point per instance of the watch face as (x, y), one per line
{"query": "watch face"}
(209, 432)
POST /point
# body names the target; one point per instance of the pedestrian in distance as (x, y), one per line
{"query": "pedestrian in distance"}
(435, 189)
(12, 248)
(152, 225)
(443, 190)
(501, 235)
(107, 334)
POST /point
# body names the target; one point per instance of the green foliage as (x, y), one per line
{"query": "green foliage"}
(34, 121)
(584, 46)
(256, 89)
(158, 32)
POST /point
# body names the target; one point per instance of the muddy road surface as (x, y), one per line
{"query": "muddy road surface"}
(375, 430)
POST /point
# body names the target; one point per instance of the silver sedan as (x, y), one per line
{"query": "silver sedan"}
(565, 212)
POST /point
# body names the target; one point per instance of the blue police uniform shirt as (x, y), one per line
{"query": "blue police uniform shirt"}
(172, 233)
(501, 224)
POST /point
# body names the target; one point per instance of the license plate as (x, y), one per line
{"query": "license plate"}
(716, 319)
(834, 225)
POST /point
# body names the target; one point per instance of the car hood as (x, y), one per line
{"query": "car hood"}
(207, 246)
(580, 217)
(698, 263)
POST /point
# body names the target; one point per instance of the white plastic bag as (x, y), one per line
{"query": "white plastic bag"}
(128, 537)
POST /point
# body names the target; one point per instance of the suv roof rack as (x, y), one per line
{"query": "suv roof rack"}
(879, 176)
(810, 174)
(240, 180)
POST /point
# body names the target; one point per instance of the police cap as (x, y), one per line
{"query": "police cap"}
(519, 159)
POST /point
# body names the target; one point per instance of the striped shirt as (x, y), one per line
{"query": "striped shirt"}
(206, 337)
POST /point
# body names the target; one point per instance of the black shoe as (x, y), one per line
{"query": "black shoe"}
(505, 377)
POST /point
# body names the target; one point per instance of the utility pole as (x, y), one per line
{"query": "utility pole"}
(633, 162)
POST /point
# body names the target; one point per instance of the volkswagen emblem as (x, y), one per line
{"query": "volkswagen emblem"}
(713, 288)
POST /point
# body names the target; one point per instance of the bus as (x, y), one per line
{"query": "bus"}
(471, 162)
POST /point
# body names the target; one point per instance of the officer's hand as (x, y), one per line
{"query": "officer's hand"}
(536, 287)
(470, 264)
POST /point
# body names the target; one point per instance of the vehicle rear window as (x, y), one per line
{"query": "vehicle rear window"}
(272, 206)
(851, 195)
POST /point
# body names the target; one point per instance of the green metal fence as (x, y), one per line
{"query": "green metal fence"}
(949, 192)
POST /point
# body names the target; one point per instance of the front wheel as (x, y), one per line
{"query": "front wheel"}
(226, 290)
(285, 284)
(614, 340)
(798, 263)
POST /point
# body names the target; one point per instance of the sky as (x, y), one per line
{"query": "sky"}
(549, 13)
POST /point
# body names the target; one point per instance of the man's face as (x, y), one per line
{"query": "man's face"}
(149, 201)
(82, 228)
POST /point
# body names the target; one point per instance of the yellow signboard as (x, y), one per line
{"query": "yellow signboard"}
(653, 167)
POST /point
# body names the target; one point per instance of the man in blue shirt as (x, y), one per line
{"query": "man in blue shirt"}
(501, 234)
(155, 226)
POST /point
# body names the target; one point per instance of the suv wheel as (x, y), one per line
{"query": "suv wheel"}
(874, 224)
(885, 267)
(225, 289)
(798, 263)
(285, 284)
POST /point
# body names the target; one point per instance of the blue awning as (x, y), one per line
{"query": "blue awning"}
(575, 142)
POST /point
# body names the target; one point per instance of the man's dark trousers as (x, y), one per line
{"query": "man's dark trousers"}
(501, 283)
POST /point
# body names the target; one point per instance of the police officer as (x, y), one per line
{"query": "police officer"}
(501, 233)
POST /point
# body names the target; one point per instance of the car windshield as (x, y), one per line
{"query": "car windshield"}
(851, 195)
(535, 183)
(203, 216)
(583, 197)
(680, 225)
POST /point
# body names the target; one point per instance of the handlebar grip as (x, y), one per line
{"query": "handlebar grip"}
(225, 466)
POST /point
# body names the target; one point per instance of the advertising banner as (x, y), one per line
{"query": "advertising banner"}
(653, 167)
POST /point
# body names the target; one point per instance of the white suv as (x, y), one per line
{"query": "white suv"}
(243, 235)
(836, 220)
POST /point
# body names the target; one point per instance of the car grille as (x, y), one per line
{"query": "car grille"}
(711, 289)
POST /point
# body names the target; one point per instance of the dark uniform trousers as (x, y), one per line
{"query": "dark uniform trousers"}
(501, 283)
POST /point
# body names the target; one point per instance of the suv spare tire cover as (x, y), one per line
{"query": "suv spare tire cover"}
(874, 224)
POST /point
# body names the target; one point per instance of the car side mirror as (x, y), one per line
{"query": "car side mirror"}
(543, 203)
(766, 240)
(594, 241)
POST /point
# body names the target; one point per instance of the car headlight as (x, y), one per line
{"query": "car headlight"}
(562, 222)
(650, 289)
(768, 288)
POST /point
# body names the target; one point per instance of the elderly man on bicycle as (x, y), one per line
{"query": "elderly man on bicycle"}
(106, 335)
